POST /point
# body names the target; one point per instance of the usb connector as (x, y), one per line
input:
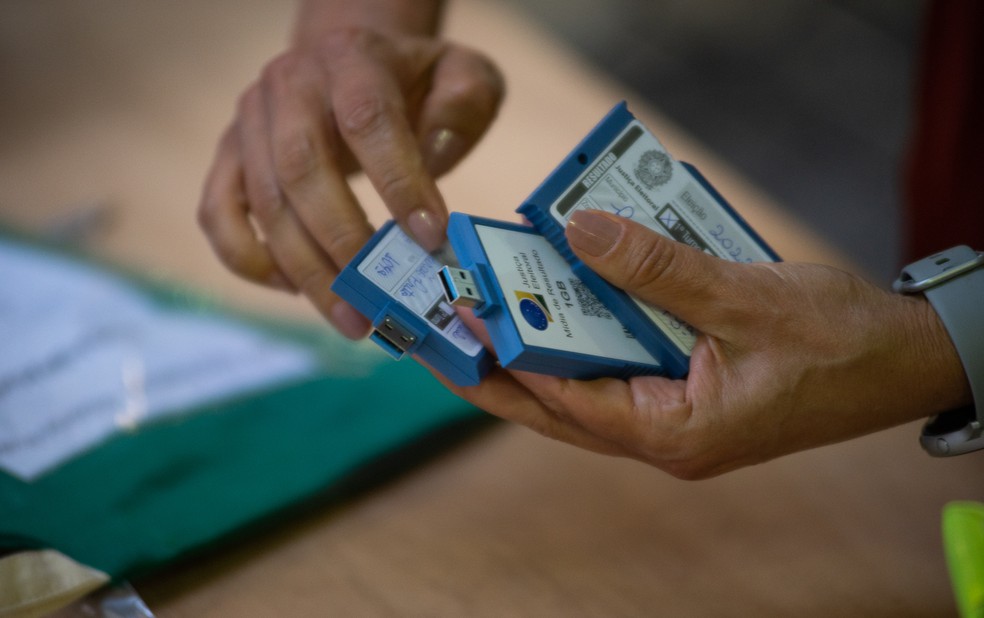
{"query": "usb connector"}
(393, 338)
(460, 288)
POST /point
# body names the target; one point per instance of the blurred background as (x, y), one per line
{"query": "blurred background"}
(109, 115)
(810, 99)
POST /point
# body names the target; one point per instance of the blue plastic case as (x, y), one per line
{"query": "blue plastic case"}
(622, 168)
(539, 316)
(394, 283)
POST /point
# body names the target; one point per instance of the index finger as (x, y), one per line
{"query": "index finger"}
(372, 118)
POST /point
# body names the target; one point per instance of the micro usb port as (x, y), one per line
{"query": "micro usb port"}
(459, 287)
(393, 338)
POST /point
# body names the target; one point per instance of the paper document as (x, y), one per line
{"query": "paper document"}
(84, 355)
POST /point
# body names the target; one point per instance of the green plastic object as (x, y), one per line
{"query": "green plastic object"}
(185, 483)
(963, 540)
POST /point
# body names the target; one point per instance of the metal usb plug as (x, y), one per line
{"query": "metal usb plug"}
(460, 288)
(393, 337)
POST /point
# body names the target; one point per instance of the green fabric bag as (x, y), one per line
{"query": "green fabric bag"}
(177, 485)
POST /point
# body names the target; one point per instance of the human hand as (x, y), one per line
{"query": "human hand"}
(789, 356)
(277, 207)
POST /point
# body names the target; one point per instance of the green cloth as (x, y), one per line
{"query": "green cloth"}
(183, 483)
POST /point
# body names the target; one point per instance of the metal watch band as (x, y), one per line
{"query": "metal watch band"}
(953, 282)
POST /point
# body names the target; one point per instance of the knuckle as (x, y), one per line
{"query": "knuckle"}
(395, 182)
(647, 263)
(295, 157)
(362, 112)
(343, 241)
(266, 201)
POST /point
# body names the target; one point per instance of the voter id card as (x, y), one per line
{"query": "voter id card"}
(622, 168)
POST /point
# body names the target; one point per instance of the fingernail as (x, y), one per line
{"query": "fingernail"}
(280, 282)
(592, 232)
(427, 229)
(348, 321)
(443, 149)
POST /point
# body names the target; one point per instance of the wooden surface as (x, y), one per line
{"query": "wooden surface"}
(120, 103)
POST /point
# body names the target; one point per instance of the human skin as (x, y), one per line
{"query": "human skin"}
(364, 86)
(790, 356)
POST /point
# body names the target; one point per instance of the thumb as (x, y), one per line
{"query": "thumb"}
(686, 282)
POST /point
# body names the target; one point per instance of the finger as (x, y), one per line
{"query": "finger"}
(294, 250)
(692, 285)
(502, 395)
(307, 170)
(646, 416)
(477, 326)
(610, 409)
(598, 406)
(223, 216)
(464, 98)
(550, 412)
(372, 118)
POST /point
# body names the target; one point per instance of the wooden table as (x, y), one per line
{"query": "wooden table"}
(121, 103)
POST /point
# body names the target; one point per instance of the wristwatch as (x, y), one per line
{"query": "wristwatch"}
(953, 282)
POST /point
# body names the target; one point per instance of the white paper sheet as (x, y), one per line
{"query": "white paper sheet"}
(83, 355)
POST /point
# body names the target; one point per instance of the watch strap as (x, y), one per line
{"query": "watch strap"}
(953, 283)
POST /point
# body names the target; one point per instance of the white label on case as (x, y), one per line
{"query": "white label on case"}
(402, 269)
(636, 178)
(550, 306)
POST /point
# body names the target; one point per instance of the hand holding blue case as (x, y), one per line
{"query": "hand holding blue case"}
(621, 167)
(539, 317)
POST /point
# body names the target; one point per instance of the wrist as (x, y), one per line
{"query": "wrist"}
(953, 283)
(944, 379)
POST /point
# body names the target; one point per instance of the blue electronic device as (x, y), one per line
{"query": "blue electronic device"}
(539, 316)
(621, 167)
(394, 283)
